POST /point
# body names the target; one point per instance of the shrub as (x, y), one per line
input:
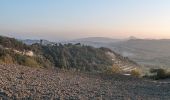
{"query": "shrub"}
(114, 69)
(136, 73)
(8, 59)
(159, 74)
(43, 62)
(26, 61)
(30, 62)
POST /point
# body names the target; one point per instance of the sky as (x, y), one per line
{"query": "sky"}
(72, 19)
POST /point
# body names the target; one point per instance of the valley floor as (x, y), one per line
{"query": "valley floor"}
(19, 82)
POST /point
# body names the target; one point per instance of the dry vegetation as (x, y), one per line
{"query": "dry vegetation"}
(158, 74)
(136, 72)
(115, 69)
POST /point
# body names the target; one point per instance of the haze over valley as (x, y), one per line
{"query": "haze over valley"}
(84, 50)
(144, 51)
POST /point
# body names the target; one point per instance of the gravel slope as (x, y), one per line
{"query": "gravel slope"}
(19, 82)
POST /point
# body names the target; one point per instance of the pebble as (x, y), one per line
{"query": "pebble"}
(20, 82)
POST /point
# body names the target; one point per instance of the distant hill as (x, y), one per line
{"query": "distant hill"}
(30, 42)
(98, 39)
(132, 38)
(94, 41)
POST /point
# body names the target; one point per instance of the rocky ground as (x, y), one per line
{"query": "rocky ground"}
(19, 82)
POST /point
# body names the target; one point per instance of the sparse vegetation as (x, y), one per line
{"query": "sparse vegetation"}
(30, 62)
(84, 58)
(64, 56)
(114, 70)
(158, 74)
(10, 57)
(136, 72)
(13, 43)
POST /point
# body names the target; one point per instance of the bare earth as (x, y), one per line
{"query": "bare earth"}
(20, 82)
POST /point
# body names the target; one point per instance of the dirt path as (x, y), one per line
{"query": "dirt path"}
(19, 82)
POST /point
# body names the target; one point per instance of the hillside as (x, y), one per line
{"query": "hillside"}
(65, 56)
(8, 42)
(72, 71)
(85, 58)
(20, 82)
(13, 51)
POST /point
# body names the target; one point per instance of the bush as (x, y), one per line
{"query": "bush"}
(114, 69)
(26, 61)
(30, 62)
(43, 62)
(136, 73)
(159, 74)
(8, 59)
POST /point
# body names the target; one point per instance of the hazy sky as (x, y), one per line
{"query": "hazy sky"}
(69, 19)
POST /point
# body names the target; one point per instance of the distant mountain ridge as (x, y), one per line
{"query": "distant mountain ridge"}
(30, 42)
(94, 41)
(98, 39)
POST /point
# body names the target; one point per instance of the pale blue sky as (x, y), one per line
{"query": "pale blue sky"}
(69, 19)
